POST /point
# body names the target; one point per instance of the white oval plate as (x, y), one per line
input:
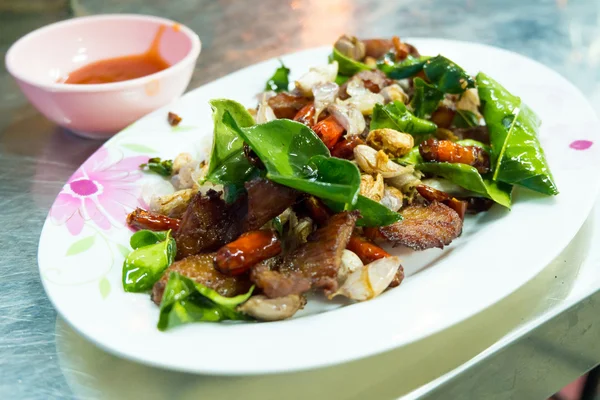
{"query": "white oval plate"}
(84, 238)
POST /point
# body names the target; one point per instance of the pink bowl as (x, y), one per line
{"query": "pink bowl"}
(41, 59)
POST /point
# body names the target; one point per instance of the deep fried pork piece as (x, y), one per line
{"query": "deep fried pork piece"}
(314, 264)
(200, 268)
(209, 222)
(345, 147)
(448, 151)
(266, 200)
(287, 105)
(142, 219)
(423, 227)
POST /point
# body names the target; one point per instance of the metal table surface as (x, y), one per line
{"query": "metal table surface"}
(525, 347)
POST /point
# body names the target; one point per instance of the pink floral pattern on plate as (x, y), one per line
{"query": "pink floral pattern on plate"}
(102, 191)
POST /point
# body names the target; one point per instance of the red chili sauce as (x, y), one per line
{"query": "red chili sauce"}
(122, 68)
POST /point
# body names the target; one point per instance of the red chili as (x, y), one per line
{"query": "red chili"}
(306, 115)
(329, 130)
(249, 249)
(432, 194)
(365, 250)
(142, 219)
(345, 147)
(316, 210)
(450, 152)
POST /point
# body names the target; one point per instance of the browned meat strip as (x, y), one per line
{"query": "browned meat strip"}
(266, 200)
(199, 268)
(314, 264)
(274, 283)
(209, 223)
(287, 105)
(423, 227)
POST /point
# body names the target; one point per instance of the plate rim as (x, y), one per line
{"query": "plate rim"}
(345, 357)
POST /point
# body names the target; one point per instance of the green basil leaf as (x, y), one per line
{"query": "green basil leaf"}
(413, 157)
(284, 146)
(227, 164)
(294, 156)
(341, 79)
(473, 142)
(185, 301)
(155, 164)
(446, 76)
(280, 80)
(372, 213)
(465, 119)
(426, 98)
(408, 67)
(145, 265)
(469, 178)
(333, 178)
(346, 65)
(517, 155)
(145, 237)
(396, 116)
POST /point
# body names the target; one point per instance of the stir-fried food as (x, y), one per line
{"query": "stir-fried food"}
(306, 191)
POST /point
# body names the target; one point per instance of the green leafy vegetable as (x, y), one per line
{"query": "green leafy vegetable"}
(426, 98)
(413, 157)
(155, 164)
(294, 156)
(469, 178)
(517, 156)
(227, 164)
(473, 142)
(446, 76)
(408, 67)
(346, 65)
(186, 301)
(146, 237)
(280, 79)
(396, 116)
(372, 213)
(341, 79)
(146, 263)
(331, 178)
(465, 119)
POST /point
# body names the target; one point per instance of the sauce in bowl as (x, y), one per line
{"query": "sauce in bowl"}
(120, 69)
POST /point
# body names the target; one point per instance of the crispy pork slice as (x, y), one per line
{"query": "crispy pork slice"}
(423, 227)
(314, 264)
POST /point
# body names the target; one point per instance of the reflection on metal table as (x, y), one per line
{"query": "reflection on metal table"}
(526, 346)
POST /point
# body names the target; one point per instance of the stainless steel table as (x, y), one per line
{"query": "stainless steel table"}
(525, 347)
